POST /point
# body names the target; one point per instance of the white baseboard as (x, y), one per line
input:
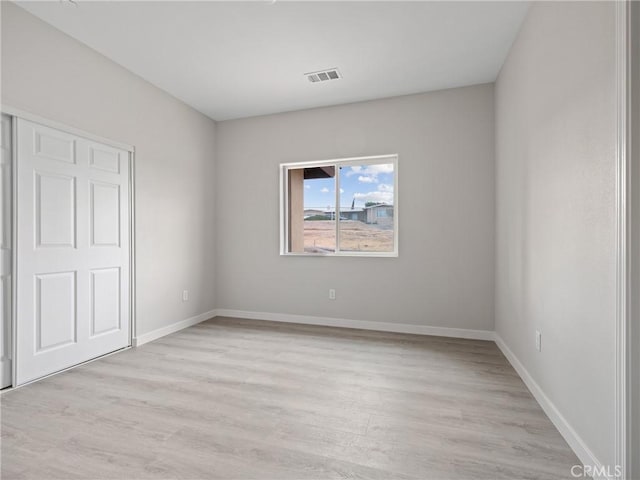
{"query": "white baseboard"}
(320, 321)
(360, 324)
(584, 454)
(174, 327)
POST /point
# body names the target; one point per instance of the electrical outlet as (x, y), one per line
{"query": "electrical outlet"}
(185, 295)
(538, 340)
(332, 294)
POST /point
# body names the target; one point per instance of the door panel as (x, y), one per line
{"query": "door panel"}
(105, 214)
(55, 219)
(105, 301)
(56, 320)
(54, 145)
(73, 260)
(105, 158)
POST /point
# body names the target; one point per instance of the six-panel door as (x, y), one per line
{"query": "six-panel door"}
(73, 250)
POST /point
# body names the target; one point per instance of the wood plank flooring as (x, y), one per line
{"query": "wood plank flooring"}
(241, 399)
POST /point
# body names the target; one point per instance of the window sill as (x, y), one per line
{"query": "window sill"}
(343, 254)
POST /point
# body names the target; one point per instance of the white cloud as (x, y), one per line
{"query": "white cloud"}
(381, 197)
(341, 190)
(324, 190)
(367, 179)
(307, 187)
(384, 194)
(370, 169)
(369, 173)
(380, 168)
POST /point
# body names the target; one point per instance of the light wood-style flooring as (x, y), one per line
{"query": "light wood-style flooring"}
(240, 399)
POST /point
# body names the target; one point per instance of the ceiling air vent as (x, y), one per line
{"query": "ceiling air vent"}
(323, 75)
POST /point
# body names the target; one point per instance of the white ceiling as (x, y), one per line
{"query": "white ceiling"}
(239, 59)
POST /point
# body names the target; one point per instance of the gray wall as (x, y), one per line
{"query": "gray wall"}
(444, 274)
(48, 73)
(555, 165)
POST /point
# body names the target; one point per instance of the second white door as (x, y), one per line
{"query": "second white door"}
(73, 250)
(5, 251)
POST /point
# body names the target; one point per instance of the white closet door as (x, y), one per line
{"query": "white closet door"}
(5, 251)
(73, 250)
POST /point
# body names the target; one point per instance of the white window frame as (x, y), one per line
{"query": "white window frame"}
(338, 162)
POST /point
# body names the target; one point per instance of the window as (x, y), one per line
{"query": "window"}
(340, 207)
(384, 212)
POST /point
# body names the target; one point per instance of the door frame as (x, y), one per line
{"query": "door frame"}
(628, 376)
(627, 198)
(16, 113)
